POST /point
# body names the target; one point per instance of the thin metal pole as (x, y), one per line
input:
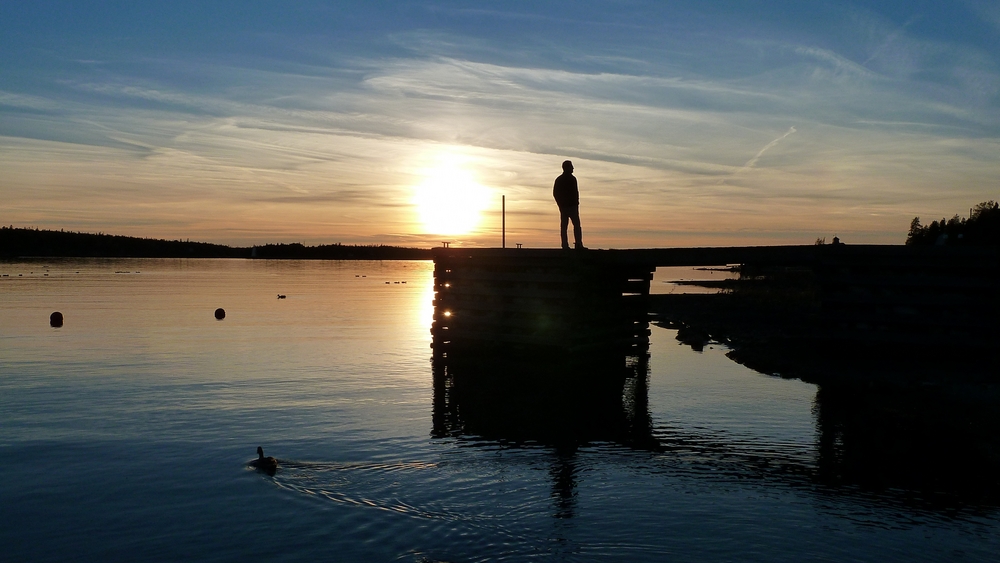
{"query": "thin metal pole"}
(503, 221)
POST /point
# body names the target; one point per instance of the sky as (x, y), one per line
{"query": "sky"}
(689, 123)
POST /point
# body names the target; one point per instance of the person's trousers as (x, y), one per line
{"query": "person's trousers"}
(567, 214)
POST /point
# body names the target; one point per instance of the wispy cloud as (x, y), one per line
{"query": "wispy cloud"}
(28, 102)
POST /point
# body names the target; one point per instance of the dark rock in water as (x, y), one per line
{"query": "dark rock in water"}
(56, 319)
(220, 313)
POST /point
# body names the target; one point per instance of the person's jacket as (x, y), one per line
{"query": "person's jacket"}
(565, 191)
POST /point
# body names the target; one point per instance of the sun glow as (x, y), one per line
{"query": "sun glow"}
(449, 201)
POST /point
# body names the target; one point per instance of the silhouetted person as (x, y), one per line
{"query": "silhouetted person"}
(567, 196)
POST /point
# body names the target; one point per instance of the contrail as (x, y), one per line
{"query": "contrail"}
(750, 163)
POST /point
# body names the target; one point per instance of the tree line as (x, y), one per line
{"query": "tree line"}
(981, 228)
(21, 242)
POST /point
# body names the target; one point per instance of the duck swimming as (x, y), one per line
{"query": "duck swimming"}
(266, 464)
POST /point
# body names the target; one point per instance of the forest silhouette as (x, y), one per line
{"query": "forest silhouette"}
(20, 242)
(982, 228)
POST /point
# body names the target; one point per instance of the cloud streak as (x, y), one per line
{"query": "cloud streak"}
(753, 161)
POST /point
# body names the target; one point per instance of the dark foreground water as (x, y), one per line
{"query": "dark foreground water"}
(124, 435)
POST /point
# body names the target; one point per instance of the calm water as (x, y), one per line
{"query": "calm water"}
(125, 435)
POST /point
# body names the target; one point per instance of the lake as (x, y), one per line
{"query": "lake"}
(126, 435)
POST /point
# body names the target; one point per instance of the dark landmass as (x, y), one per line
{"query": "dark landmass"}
(17, 242)
(924, 317)
(862, 322)
(21, 243)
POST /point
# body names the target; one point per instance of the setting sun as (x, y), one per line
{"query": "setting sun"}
(449, 201)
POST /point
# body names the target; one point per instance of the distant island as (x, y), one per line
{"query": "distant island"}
(23, 243)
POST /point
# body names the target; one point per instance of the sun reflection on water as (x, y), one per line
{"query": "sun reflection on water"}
(426, 307)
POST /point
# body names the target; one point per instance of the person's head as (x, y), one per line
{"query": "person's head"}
(567, 166)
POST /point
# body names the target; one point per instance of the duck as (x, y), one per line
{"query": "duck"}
(266, 464)
(280, 296)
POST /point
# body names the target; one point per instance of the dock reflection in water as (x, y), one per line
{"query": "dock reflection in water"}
(900, 453)
(557, 402)
(542, 400)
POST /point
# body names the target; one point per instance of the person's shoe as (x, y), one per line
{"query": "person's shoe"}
(581, 247)
(565, 247)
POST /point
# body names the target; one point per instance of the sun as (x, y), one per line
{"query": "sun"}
(449, 201)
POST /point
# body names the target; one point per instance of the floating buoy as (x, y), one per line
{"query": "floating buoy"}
(56, 319)
(280, 296)
(220, 313)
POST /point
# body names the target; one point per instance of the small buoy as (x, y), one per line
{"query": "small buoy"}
(280, 296)
(220, 313)
(386, 283)
(56, 319)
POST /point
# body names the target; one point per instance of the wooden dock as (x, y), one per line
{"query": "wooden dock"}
(539, 299)
(548, 299)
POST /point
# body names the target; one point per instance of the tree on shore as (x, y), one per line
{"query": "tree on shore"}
(982, 228)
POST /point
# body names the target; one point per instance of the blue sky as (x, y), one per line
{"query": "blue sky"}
(690, 123)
